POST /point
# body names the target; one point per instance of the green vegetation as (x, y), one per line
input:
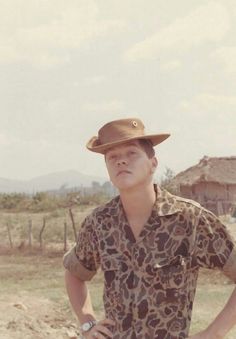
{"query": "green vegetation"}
(46, 201)
(166, 179)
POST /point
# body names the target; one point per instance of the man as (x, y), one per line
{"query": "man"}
(149, 244)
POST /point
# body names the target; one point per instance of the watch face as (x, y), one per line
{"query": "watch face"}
(86, 327)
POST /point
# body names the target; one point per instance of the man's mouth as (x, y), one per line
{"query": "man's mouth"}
(123, 172)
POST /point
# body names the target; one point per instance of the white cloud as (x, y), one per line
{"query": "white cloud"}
(113, 106)
(170, 66)
(209, 22)
(227, 56)
(208, 124)
(211, 104)
(8, 139)
(95, 80)
(55, 28)
(4, 140)
(214, 119)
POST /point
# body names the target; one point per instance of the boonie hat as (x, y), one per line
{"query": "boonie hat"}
(117, 132)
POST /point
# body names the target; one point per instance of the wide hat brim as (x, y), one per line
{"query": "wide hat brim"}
(94, 145)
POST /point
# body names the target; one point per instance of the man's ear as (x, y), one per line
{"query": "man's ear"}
(154, 164)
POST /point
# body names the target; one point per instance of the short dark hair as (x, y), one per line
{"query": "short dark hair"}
(147, 146)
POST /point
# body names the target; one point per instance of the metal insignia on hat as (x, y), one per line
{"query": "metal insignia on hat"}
(134, 123)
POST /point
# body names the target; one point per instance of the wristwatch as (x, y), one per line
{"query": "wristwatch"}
(85, 327)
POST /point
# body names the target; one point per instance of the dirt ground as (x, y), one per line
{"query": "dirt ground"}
(24, 316)
(34, 304)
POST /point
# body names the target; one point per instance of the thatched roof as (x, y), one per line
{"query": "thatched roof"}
(220, 170)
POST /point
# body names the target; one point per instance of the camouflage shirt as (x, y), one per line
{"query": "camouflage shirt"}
(150, 282)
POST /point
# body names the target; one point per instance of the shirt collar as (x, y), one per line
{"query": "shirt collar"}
(166, 203)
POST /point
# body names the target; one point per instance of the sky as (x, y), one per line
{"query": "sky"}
(68, 67)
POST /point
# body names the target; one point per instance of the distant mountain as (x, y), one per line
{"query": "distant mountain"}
(8, 185)
(52, 181)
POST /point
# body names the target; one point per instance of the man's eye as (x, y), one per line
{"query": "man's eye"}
(112, 157)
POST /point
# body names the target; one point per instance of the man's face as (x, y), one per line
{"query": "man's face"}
(129, 166)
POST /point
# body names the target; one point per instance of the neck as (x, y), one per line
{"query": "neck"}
(138, 202)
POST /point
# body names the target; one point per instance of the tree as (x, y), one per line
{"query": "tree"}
(96, 187)
(167, 178)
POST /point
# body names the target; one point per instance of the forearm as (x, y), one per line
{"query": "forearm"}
(79, 297)
(225, 320)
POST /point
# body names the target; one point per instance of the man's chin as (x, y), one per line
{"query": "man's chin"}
(124, 185)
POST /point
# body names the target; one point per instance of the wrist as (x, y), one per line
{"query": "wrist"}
(86, 326)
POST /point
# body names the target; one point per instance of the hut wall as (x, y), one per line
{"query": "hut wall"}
(200, 192)
(232, 192)
(215, 191)
(186, 191)
(218, 198)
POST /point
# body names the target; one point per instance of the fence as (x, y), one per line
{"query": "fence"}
(41, 232)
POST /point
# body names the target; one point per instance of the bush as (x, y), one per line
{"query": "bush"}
(47, 202)
(94, 199)
(42, 201)
(166, 181)
(12, 200)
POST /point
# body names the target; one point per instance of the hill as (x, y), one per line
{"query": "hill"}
(51, 181)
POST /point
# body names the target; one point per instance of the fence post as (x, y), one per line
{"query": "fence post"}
(65, 236)
(9, 235)
(30, 233)
(41, 234)
(73, 223)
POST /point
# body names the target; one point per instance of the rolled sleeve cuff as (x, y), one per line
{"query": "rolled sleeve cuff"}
(229, 268)
(71, 263)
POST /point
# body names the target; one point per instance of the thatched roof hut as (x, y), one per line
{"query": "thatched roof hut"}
(212, 182)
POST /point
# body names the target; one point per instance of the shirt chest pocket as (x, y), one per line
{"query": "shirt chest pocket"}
(168, 279)
(169, 273)
(111, 267)
(175, 272)
(115, 268)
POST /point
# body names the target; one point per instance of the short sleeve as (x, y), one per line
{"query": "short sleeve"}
(83, 259)
(215, 247)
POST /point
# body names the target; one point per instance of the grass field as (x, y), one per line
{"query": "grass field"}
(41, 278)
(33, 301)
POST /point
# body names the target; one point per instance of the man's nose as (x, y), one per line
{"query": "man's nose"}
(121, 161)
